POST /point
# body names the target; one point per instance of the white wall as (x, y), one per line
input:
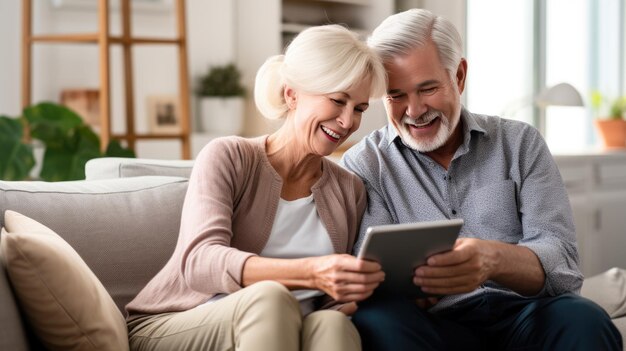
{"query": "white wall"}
(453, 10)
(10, 58)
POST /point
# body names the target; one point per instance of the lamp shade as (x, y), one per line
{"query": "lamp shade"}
(562, 94)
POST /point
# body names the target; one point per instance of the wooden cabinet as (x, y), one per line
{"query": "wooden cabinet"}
(104, 40)
(596, 186)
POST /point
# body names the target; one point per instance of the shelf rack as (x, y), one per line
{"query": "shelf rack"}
(104, 40)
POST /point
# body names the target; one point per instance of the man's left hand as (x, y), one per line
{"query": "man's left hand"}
(463, 269)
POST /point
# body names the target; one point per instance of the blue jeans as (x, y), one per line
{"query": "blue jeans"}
(487, 322)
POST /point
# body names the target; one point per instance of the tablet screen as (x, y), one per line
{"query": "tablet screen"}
(400, 248)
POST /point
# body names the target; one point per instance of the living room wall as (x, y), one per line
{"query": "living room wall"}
(244, 31)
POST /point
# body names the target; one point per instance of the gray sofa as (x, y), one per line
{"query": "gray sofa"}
(123, 221)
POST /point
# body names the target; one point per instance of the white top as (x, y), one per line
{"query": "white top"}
(298, 232)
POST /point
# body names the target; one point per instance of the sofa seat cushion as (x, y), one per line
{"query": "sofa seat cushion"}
(124, 229)
(63, 300)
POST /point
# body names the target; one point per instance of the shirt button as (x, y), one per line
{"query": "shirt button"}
(453, 212)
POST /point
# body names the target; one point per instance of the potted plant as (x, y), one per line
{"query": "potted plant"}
(221, 100)
(611, 124)
(67, 141)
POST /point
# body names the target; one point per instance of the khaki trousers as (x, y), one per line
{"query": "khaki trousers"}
(263, 316)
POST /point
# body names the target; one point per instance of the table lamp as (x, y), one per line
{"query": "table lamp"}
(562, 94)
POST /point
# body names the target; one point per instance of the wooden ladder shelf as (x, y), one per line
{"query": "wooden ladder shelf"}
(104, 40)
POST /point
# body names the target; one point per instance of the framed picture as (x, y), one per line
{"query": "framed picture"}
(163, 114)
(85, 102)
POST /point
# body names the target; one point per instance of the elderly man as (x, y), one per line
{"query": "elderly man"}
(512, 279)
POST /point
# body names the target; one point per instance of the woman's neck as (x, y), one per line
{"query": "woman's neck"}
(298, 168)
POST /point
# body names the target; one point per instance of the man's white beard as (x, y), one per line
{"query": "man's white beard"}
(423, 145)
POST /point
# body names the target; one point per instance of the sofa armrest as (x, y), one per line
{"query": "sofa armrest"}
(119, 167)
(608, 290)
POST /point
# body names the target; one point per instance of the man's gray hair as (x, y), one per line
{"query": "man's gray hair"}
(398, 34)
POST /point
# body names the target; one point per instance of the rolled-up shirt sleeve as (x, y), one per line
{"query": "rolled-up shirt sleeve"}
(546, 216)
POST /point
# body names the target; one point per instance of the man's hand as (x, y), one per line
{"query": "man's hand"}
(473, 261)
(461, 270)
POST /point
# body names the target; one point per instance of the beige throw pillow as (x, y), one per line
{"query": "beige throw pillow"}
(608, 290)
(63, 300)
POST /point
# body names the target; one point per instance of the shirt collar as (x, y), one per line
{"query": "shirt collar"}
(471, 123)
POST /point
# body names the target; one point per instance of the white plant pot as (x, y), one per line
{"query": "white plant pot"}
(222, 115)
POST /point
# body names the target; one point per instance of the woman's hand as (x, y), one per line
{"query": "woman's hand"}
(344, 277)
(349, 308)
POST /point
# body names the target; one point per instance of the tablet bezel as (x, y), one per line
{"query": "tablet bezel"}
(400, 248)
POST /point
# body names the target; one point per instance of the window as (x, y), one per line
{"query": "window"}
(518, 47)
(500, 58)
(567, 59)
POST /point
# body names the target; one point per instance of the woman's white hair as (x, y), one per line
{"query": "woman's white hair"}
(398, 34)
(320, 60)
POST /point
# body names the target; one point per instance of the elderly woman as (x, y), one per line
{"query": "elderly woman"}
(261, 261)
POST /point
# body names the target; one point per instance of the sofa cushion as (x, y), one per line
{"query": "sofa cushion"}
(608, 290)
(124, 229)
(64, 302)
(119, 167)
(12, 334)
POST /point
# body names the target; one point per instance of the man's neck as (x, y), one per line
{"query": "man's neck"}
(445, 153)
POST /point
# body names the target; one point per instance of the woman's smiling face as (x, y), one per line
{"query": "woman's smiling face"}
(323, 122)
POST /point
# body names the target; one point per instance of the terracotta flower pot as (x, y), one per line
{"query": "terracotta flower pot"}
(612, 132)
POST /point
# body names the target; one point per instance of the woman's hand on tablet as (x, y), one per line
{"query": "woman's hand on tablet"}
(344, 277)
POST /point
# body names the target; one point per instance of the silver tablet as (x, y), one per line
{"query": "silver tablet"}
(400, 248)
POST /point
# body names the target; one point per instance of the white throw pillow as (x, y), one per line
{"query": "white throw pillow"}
(63, 300)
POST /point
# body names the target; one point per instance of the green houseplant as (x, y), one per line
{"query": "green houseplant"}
(610, 120)
(16, 158)
(221, 100)
(224, 81)
(69, 143)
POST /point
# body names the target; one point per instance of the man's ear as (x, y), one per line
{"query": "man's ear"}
(290, 97)
(461, 74)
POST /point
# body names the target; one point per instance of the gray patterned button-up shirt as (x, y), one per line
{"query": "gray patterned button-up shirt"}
(502, 181)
